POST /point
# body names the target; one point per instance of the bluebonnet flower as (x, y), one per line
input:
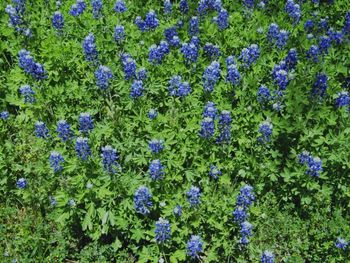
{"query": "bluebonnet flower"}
(205, 5)
(194, 246)
(240, 214)
(230, 60)
(222, 19)
(63, 130)
(212, 51)
(314, 163)
(71, 202)
(346, 28)
(177, 210)
(142, 200)
(89, 47)
(183, 6)
(119, 33)
(195, 40)
(152, 114)
(267, 257)
(248, 4)
(53, 200)
(151, 20)
(210, 110)
(293, 10)
(140, 23)
(246, 231)
(162, 230)
(341, 243)
(136, 89)
(129, 67)
(21, 183)
(82, 148)
(207, 128)
(190, 52)
(167, 7)
(103, 76)
(193, 29)
(281, 78)
(4, 115)
(277, 106)
(156, 145)
(142, 74)
(109, 159)
(313, 53)
(58, 21)
(120, 7)
(15, 18)
(265, 129)
(337, 37)
(324, 44)
(342, 100)
(263, 95)
(211, 76)
(282, 39)
(320, 85)
(246, 196)
(225, 121)
(157, 53)
(171, 36)
(184, 89)
(193, 196)
(86, 122)
(27, 63)
(96, 8)
(156, 170)
(323, 24)
(291, 59)
(233, 75)
(28, 93)
(214, 172)
(78, 8)
(250, 55)
(41, 131)
(273, 32)
(56, 161)
(309, 26)
(178, 88)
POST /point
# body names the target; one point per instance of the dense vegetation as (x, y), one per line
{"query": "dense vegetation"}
(175, 131)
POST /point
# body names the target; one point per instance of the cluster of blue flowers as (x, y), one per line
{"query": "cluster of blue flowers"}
(172, 36)
(4, 115)
(341, 243)
(78, 8)
(194, 246)
(250, 55)
(177, 210)
(265, 129)
(314, 163)
(168, 7)
(58, 21)
(129, 66)
(211, 51)
(190, 51)
(64, 131)
(244, 200)
(119, 33)
(214, 172)
(120, 7)
(267, 257)
(28, 94)
(156, 145)
(136, 89)
(193, 29)
(21, 183)
(342, 100)
(152, 114)
(109, 159)
(156, 170)
(277, 36)
(16, 14)
(56, 160)
(90, 49)
(207, 128)
(82, 148)
(41, 130)
(97, 6)
(193, 196)
(233, 76)
(211, 76)
(27, 63)
(178, 88)
(158, 52)
(163, 230)
(225, 121)
(103, 76)
(151, 22)
(142, 200)
(293, 10)
(222, 20)
(263, 95)
(86, 122)
(320, 86)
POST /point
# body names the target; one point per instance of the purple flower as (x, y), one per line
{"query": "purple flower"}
(63, 130)
(194, 246)
(58, 21)
(225, 121)
(109, 159)
(250, 55)
(263, 95)
(342, 100)
(193, 29)
(324, 44)
(78, 8)
(56, 161)
(210, 110)
(96, 8)
(129, 67)
(103, 76)
(193, 196)
(267, 257)
(86, 123)
(89, 48)
(156, 170)
(190, 52)
(136, 89)
(211, 76)
(142, 200)
(207, 128)
(162, 231)
(313, 53)
(184, 6)
(156, 145)
(82, 148)
(120, 7)
(41, 131)
(222, 19)
(212, 51)
(233, 75)
(151, 20)
(21, 183)
(119, 33)
(27, 63)
(265, 129)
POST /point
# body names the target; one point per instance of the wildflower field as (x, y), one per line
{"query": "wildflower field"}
(175, 131)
